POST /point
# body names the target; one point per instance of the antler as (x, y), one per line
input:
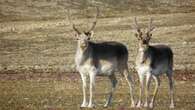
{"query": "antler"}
(75, 29)
(73, 25)
(150, 26)
(135, 26)
(95, 21)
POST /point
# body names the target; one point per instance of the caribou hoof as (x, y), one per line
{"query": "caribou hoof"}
(83, 105)
(91, 106)
(172, 106)
(138, 105)
(151, 105)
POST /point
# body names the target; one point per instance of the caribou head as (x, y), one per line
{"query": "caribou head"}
(143, 37)
(83, 37)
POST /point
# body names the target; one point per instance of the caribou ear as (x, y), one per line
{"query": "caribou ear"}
(149, 35)
(89, 34)
(76, 36)
(138, 35)
(148, 38)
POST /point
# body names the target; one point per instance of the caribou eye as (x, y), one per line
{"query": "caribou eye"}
(77, 36)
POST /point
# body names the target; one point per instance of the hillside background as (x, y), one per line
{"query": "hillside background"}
(35, 35)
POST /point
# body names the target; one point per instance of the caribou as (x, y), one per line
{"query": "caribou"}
(100, 59)
(151, 62)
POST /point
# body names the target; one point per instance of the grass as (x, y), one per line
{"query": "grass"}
(37, 45)
(45, 43)
(64, 93)
(39, 36)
